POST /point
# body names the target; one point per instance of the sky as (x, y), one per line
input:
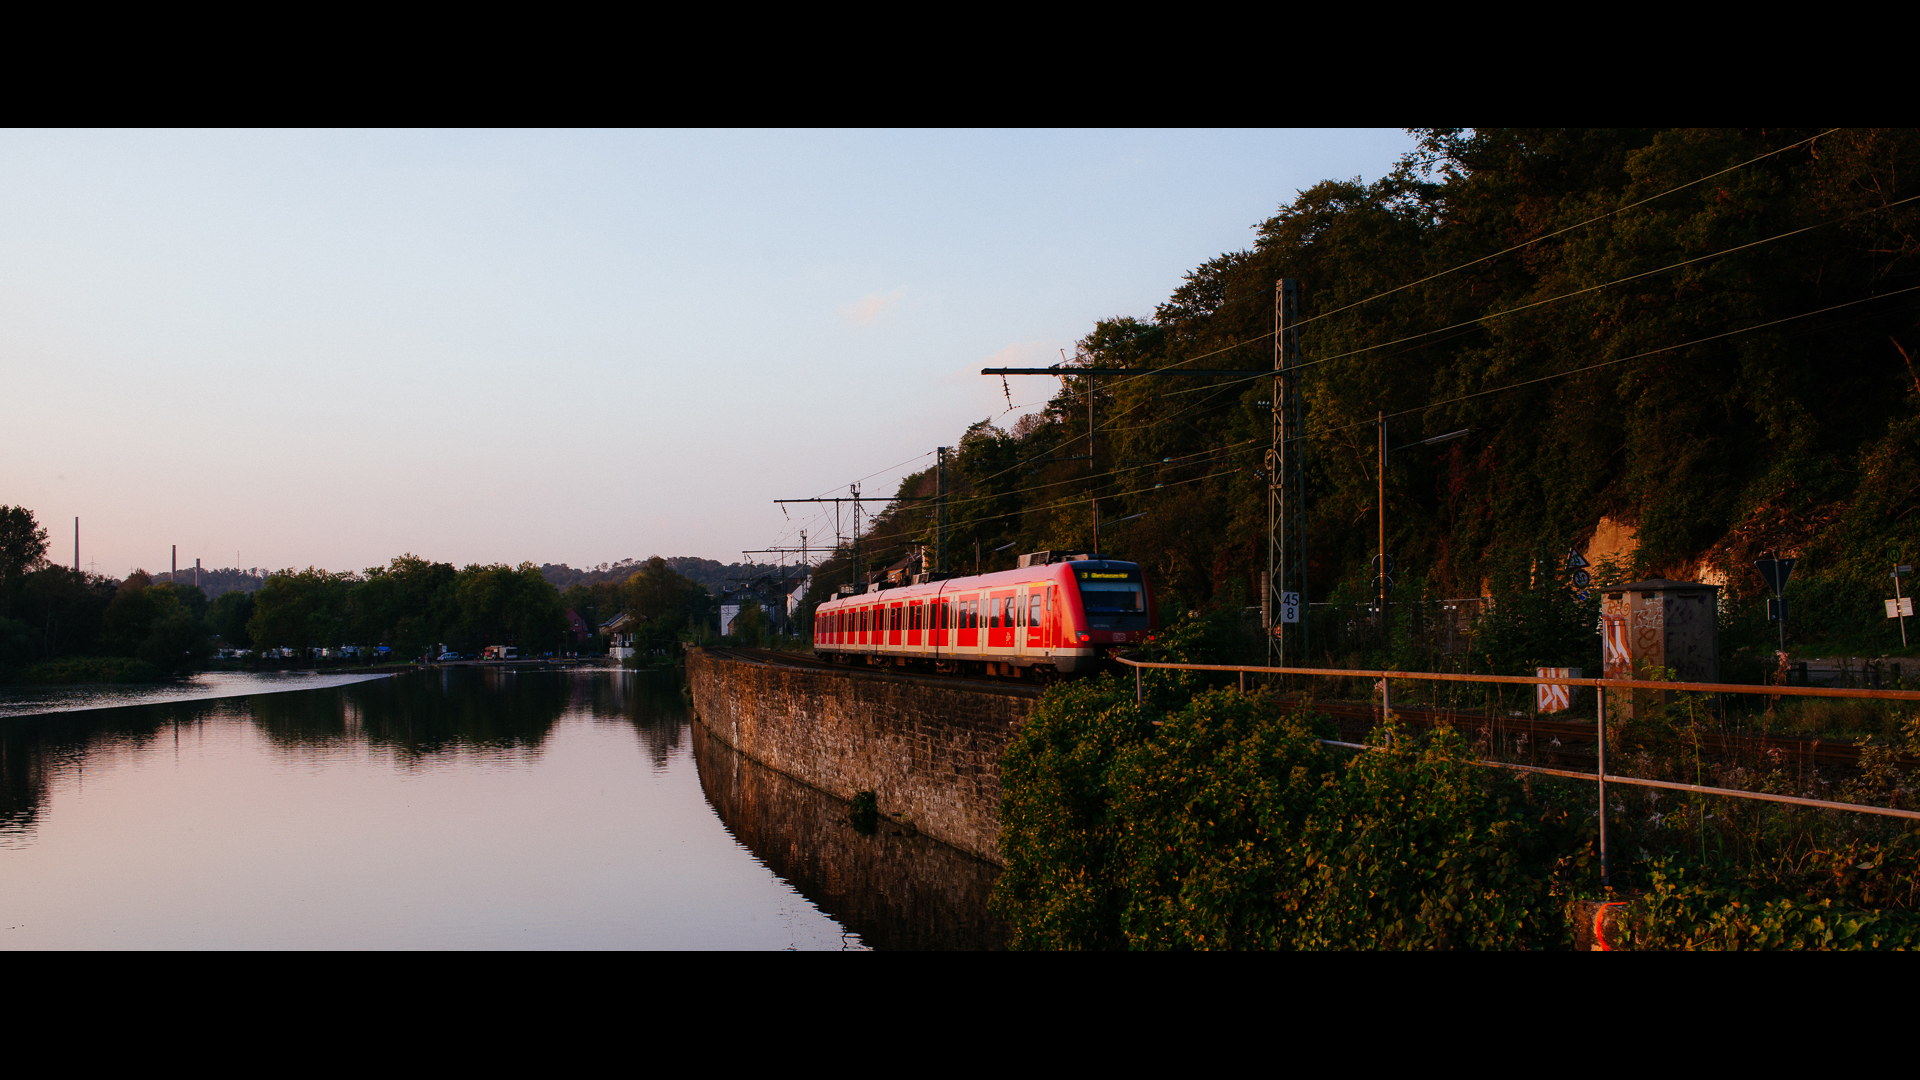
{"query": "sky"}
(329, 348)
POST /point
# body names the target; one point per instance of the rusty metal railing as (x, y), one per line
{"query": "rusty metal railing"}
(1600, 687)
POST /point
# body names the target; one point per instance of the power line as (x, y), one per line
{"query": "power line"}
(1568, 229)
(1477, 320)
(1082, 502)
(1610, 363)
(1108, 426)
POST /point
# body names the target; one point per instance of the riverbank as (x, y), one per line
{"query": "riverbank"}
(927, 748)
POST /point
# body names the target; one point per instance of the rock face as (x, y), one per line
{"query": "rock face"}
(928, 748)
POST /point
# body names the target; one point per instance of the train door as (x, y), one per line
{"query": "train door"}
(1019, 620)
(967, 616)
(1036, 633)
(1000, 615)
(895, 634)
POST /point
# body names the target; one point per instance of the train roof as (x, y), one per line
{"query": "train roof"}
(996, 579)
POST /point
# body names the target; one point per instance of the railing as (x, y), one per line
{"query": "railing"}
(1600, 687)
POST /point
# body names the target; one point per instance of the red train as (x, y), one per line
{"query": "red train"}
(1054, 613)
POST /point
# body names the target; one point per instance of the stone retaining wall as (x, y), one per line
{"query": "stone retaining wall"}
(928, 748)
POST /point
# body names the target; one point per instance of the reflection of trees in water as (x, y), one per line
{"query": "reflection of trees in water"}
(33, 749)
(430, 712)
(649, 700)
(419, 714)
(895, 891)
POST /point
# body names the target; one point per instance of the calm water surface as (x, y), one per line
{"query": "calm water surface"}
(28, 700)
(460, 809)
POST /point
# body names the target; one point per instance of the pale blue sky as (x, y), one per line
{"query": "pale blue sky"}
(329, 348)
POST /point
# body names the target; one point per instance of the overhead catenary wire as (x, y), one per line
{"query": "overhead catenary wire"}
(1075, 480)
(1089, 499)
(1610, 363)
(1214, 390)
(1562, 231)
(1480, 319)
(1474, 262)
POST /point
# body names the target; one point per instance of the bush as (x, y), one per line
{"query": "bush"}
(1231, 826)
(1683, 911)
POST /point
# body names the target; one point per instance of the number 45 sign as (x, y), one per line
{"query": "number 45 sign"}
(1290, 607)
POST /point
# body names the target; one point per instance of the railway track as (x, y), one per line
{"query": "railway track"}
(1547, 736)
(1541, 738)
(1031, 687)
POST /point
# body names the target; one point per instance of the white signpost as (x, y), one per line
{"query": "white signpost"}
(1290, 607)
(1901, 606)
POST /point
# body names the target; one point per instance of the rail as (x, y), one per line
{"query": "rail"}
(1600, 687)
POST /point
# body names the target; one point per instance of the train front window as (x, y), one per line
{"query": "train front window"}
(1113, 597)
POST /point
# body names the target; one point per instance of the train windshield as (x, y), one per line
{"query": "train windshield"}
(1113, 597)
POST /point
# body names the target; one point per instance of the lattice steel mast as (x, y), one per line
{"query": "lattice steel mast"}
(1287, 642)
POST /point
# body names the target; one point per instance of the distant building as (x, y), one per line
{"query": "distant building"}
(619, 632)
(578, 627)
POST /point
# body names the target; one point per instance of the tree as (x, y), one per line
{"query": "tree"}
(23, 545)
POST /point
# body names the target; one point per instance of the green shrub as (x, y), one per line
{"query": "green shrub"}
(1059, 889)
(1230, 826)
(1683, 911)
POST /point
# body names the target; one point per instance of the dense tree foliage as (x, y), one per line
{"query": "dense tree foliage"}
(1704, 335)
(68, 626)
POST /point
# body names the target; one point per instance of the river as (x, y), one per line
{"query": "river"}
(452, 809)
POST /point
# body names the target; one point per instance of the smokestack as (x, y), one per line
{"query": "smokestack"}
(174, 574)
(76, 545)
(196, 573)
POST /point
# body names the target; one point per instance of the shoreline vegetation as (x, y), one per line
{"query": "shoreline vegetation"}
(60, 627)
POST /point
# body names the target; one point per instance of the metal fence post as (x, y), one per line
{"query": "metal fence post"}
(1600, 695)
(1139, 694)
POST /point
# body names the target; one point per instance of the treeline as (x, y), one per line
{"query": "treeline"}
(57, 625)
(1703, 335)
(665, 603)
(716, 576)
(217, 582)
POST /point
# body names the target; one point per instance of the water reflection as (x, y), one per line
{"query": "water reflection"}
(896, 891)
(34, 700)
(456, 809)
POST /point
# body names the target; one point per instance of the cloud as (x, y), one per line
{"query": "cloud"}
(868, 310)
